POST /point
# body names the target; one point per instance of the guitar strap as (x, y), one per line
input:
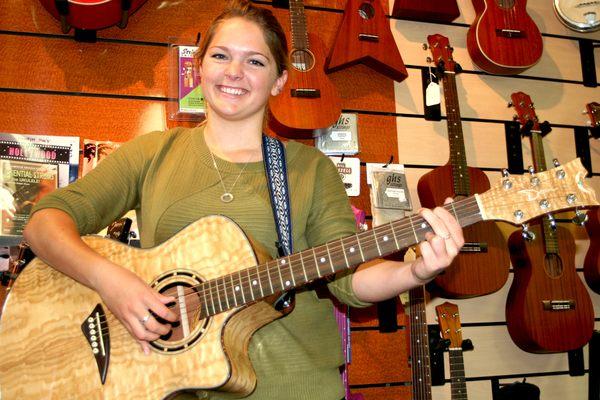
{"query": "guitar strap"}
(276, 170)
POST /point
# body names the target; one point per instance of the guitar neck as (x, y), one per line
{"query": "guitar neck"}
(298, 21)
(457, 375)
(458, 158)
(419, 345)
(539, 162)
(286, 273)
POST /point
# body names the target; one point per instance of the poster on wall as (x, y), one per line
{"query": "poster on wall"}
(95, 151)
(30, 167)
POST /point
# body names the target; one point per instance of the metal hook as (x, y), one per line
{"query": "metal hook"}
(389, 162)
(198, 38)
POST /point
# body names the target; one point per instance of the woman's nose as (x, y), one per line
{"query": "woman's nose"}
(234, 71)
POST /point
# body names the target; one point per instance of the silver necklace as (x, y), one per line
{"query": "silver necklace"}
(227, 196)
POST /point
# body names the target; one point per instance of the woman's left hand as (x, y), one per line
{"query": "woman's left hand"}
(441, 245)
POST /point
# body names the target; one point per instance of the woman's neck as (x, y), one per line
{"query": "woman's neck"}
(234, 141)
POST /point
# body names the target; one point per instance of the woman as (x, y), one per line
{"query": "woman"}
(176, 177)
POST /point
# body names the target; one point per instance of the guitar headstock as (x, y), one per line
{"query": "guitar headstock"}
(520, 198)
(449, 320)
(525, 110)
(441, 52)
(593, 112)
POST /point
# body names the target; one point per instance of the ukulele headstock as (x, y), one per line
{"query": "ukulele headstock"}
(441, 53)
(525, 110)
(593, 112)
(449, 320)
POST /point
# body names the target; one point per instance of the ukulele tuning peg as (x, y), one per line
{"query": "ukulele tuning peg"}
(552, 222)
(527, 234)
(509, 104)
(515, 117)
(505, 173)
(580, 218)
(429, 60)
(531, 170)
(555, 162)
(425, 46)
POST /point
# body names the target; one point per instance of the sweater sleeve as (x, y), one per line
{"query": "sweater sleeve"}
(331, 218)
(108, 191)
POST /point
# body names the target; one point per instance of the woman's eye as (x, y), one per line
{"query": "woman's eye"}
(218, 56)
(257, 63)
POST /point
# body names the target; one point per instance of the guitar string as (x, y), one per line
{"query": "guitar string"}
(192, 292)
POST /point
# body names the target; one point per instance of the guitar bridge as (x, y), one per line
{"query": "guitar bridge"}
(510, 33)
(365, 37)
(474, 247)
(95, 330)
(306, 93)
(558, 305)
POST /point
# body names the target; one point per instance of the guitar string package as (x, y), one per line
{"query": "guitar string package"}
(186, 100)
(389, 193)
(341, 137)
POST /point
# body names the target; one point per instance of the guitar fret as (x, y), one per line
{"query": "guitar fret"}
(212, 300)
(303, 268)
(412, 225)
(241, 287)
(357, 236)
(376, 241)
(262, 294)
(316, 263)
(280, 277)
(218, 295)
(225, 292)
(233, 290)
(344, 253)
(250, 284)
(284, 262)
(330, 261)
(395, 237)
(205, 301)
(269, 277)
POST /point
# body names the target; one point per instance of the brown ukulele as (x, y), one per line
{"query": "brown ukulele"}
(419, 345)
(449, 320)
(548, 307)
(59, 340)
(591, 263)
(365, 37)
(503, 39)
(483, 264)
(309, 101)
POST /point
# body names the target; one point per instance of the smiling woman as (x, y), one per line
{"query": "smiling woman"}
(181, 183)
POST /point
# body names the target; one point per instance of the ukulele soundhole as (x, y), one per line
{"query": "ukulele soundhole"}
(302, 60)
(506, 4)
(192, 324)
(553, 265)
(366, 11)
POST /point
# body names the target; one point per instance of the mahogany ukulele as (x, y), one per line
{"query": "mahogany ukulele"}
(419, 345)
(59, 340)
(365, 37)
(449, 320)
(483, 264)
(309, 101)
(548, 308)
(503, 39)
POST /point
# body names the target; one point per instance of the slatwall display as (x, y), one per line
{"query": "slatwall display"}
(117, 88)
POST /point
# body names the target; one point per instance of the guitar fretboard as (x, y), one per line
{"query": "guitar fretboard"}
(458, 158)
(286, 273)
(298, 22)
(457, 375)
(419, 345)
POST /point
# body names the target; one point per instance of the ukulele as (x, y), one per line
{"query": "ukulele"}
(309, 101)
(483, 264)
(91, 14)
(419, 345)
(59, 340)
(365, 37)
(548, 308)
(503, 39)
(578, 15)
(591, 263)
(449, 320)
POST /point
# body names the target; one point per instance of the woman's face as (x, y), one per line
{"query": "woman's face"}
(238, 71)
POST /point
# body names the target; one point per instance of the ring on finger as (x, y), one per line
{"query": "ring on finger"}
(144, 319)
(446, 236)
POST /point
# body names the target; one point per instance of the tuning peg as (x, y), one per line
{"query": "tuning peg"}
(425, 46)
(555, 162)
(510, 104)
(467, 345)
(527, 234)
(580, 218)
(531, 170)
(552, 222)
(429, 60)
(583, 112)
(505, 173)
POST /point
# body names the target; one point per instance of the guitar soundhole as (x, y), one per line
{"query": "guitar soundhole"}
(366, 11)
(302, 60)
(505, 3)
(553, 265)
(181, 284)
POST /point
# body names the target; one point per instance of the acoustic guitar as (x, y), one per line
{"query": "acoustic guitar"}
(483, 264)
(503, 38)
(449, 320)
(365, 37)
(91, 14)
(548, 308)
(419, 345)
(59, 340)
(309, 102)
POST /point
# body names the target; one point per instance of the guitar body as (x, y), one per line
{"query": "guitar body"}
(591, 264)
(365, 37)
(503, 39)
(46, 356)
(532, 327)
(295, 115)
(93, 14)
(471, 273)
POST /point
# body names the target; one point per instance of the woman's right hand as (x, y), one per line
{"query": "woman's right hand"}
(135, 304)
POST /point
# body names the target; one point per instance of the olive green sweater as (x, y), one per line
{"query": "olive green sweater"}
(169, 179)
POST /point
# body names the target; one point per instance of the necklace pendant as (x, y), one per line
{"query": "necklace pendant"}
(226, 197)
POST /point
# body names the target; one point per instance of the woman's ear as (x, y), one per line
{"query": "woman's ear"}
(279, 83)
